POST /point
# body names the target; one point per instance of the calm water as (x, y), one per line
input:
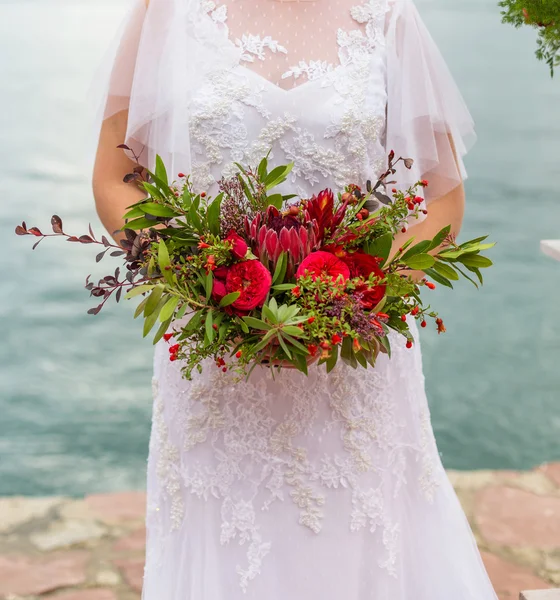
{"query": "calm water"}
(75, 390)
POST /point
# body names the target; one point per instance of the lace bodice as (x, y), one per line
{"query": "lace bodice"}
(331, 126)
(330, 85)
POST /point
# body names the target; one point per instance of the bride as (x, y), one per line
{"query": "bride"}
(328, 487)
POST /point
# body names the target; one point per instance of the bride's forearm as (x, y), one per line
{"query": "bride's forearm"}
(112, 195)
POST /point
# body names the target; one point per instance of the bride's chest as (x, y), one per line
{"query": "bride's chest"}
(328, 118)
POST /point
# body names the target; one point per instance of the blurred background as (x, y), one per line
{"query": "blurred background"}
(75, 397)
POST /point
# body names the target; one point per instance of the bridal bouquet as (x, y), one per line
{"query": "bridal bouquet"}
(254, 277)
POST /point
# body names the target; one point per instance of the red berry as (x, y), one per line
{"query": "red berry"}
(409, 344)
(181, 175)
(410, 206)
(294, 211)
(203, 194)
(311, 320)
(173, 358)
(425, 211)
(224, 369)
(430, 285)
(423, 324)
(174, 349)
(403, 318)
(394, 190)
(403, 230)
(414, 311)
(424, 183)
(238, 354)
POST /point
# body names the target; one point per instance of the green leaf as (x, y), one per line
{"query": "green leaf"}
(229, 299)
(138, 224)
(269, 314)
(208, 284)
(332, 360)
(284, 346)
(153, 300)
(194, 217)
(161, 331)
(277, 176)
(293, 330)
(384, 341)
(134, 213)
(283, 287)
(151, 319)
(280, 271)
(213, 215)
(263, 167)
(181, 312)
(164, 261)
(446, 271)
(141, 289)
(474, 260)
(420, 262)
(256, 323)
(161, 172)
(140, 308)
(158, 210)
(361, 359)
(275, 200)
(438, 239)
(153, 191)
(419, 248)
(208, 326)
(380, 247)
(467, 277)
(243, 326)
(169, 308)
(295, 343)
(439, 278)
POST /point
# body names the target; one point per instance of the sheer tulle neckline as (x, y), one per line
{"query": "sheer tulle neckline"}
(263, 50)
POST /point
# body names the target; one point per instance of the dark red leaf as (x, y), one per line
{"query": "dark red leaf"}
(119, 293)
(95, 311)
(97, 292)
(91, 231)
(131, 177)
(139, 169)
(35, 231)
(105, 241)
(37, 243)
(100, 256)
(85, 239)
(117, 253)
(20, 230)
(56, 223)
(123, 147)
(72, 238)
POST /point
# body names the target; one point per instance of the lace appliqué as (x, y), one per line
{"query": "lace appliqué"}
(253, 46)
(314, 69)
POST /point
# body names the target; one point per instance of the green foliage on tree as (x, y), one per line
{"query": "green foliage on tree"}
(544, 15)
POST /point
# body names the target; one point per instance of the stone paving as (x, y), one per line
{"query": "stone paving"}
(92, 548)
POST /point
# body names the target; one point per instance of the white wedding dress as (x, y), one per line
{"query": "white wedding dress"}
(328, 487)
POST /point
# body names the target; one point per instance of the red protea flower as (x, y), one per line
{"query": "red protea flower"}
(320, 209)
(239, 246)
(272, 233)
(323, 264)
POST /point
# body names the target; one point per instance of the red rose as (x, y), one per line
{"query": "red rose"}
(363, 265)
(369, 296)
(322, 263)
(239, 249)
(252, 280)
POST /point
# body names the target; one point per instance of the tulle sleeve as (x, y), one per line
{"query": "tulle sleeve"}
(427, 119)
(151, 73)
